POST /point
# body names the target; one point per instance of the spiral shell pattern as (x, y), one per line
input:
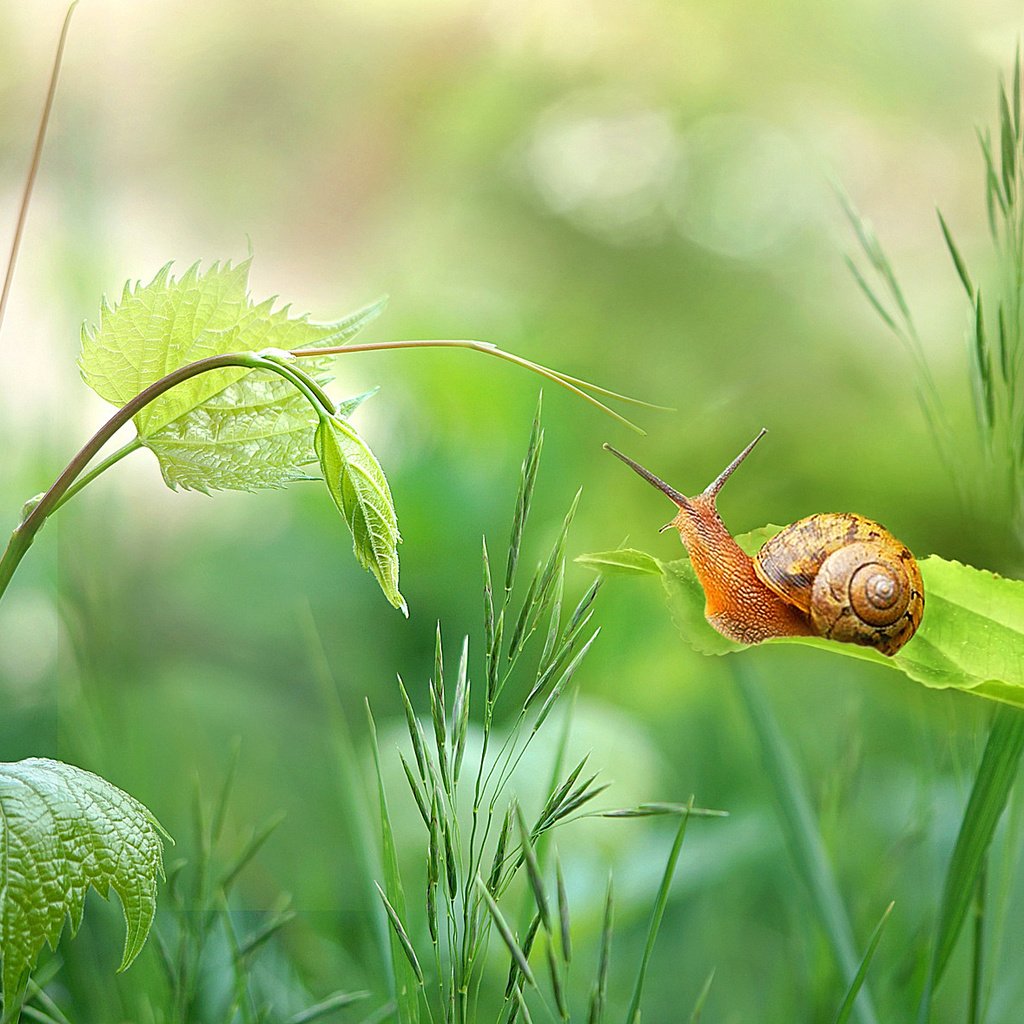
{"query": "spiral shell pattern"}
(853, 579)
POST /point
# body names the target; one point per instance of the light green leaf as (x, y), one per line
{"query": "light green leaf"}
(63, 829)
(360, 490)
(229, 428)
(623, 562)
(971, 637)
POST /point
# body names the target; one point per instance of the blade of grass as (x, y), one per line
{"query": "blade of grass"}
(851, 996)
(996, 774)
(633, 1016)
(505, 932)
(557, 988)
(702, 998)
(251, 848)
(524, 496)
(337, 1001)
(533, 871)
(402, 935)
(958, 260)
(802, 835)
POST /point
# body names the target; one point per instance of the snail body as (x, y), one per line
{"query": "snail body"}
(837, 575)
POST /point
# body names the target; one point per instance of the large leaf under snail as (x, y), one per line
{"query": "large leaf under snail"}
(971, 637)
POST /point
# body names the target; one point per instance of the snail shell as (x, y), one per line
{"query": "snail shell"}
(835, 574)
(855, 581)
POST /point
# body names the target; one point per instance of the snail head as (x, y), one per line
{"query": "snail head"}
(706, 498)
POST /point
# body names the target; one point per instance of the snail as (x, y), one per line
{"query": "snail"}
(834, 574)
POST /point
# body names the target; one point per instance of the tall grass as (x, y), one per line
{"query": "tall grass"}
(533, 647)
(994, 317)
(995, 342)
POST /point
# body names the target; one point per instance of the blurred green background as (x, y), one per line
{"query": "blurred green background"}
(635, 193)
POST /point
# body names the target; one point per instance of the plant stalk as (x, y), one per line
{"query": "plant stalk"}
(578, 387)
(33, 168)
(25, 532)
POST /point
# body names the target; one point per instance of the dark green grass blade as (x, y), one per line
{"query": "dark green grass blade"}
(524, 497)
(518, 956)
(403, 936)
(851, 996)
(958, 260)
(992, 784)
(633, 1016)
(251, 848)
(540, 896)
(802, 835)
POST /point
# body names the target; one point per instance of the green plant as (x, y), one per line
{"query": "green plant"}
(473, 862)
(227, 394)
(971, 638)
(62, 831)
(200, 939)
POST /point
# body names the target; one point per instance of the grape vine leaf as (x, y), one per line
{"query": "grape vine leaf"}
(361, 492)
(231, 428)
(971, 637)
(62, 830)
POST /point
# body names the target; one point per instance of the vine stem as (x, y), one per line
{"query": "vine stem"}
(580, 388)
(69, 482)
(24, 533)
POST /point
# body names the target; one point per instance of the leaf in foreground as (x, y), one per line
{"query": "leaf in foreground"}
(62, 830)
(971, 637)
(232, 428)
(360, 490)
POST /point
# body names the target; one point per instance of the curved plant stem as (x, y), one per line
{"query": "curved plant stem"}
(24, 533)
(299, 379)
(33, 169)
(577, 387)
(72, 480)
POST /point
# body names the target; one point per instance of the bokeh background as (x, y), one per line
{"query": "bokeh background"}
(636, 193)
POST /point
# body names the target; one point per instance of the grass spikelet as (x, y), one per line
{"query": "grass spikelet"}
(518, 956)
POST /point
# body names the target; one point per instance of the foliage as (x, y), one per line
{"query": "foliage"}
(63, 830)
(971, 637)
(229, 428)
(209, 952)
(471, 865)
(360, 490)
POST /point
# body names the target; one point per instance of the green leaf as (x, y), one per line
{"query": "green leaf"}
(62, 830)
(971, 637)
(802, 834)
(230, 428)
(623, 562)
(360, 490)
(997, 772)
